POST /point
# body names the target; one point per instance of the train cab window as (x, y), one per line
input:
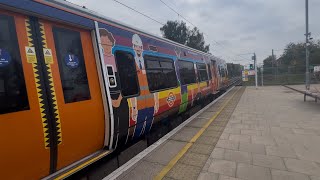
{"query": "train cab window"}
(127, 73)
(187, 73)
(71, 63)
(13, 93)
(202, 72)
(161, 73)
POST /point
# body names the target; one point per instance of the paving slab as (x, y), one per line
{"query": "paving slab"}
(208, 176)
(144, 171)
(286, 175)
(240, 138)
(201, 149)
(194, 159)
(197, 122)
(223, 177)
(281, 151)
(165, 153)
(273, 162)
(315, 177)
(251, 172)
(223, 167)
(185, 134)
(184, 171)
(237, 156)
(218, 153)
(253, 148)
(302, 166)
(228, 144)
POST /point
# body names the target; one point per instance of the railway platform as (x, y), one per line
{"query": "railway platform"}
(249, 134)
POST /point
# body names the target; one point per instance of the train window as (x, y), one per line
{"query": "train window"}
(127, 73)
(13, 93)
(161, 73)
(187, 73)
(202, 72)
(71, 63)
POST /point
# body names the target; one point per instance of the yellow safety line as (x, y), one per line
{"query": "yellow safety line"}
(173, 161)
(81, 166)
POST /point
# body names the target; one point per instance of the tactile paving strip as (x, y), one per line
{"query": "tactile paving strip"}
(190, 165)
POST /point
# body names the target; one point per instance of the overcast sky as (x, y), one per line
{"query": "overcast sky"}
(239, 26)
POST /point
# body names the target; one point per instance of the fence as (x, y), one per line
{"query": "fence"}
(289, 75)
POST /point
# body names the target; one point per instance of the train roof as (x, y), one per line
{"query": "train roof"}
(96, 15)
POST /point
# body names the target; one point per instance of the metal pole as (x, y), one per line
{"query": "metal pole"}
(261, 69)
(272, 60)
(255, 69)
(307, 42)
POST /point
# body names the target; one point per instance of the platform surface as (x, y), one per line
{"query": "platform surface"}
(264, 134)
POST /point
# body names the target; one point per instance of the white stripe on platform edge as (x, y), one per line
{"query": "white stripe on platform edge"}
(145, 152)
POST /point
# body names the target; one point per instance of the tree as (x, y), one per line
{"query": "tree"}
(196, 40)
(179, 32)
(175, 31)
(267, 63)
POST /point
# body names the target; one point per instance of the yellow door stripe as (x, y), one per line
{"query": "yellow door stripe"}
(168, 167)
(83, 165)
(52, 89)
(39, 90)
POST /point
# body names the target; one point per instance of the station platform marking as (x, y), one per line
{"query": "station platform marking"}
(167, 168)
(115, 174)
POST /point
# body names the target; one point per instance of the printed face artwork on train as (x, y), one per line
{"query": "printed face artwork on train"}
(138, 49)
(107, 43)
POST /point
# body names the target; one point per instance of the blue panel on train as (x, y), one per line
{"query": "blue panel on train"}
(71, 60)
(5, 57)
(52, 12)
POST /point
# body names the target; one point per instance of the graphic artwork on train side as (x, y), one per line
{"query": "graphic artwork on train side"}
(119, 103)
(144, 104)
(170, 99)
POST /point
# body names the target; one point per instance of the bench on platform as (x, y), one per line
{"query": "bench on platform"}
(311, 93)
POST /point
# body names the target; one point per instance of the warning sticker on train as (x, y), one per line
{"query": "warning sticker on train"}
(48, 56)
(31, 55)
(170, 99)
(71, 60)
(5, 57)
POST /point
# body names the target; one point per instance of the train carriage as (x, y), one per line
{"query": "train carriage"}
(75, 86)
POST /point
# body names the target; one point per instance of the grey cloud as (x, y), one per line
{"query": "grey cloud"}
(242, 26)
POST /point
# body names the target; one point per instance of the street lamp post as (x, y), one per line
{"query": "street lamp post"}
(254, 57)
(307, 43)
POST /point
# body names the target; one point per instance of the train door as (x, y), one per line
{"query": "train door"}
(76, 85)
(78, 89)
(51, 111)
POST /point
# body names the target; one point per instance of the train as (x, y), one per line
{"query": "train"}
(76, 86)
